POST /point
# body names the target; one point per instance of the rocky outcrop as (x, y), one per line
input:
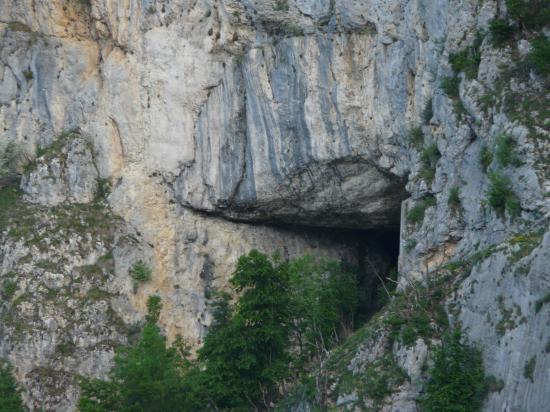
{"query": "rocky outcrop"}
(215, 121)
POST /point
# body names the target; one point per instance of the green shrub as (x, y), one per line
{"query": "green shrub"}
(501, 32)
(485, 158)
(500, 195)
(531, 14)
(429, 157)
(28, 74)
(428, 112)
(141, 272)
(147, 376)
(540, 55)
(466, 61)
(154, 306)
(381, 377)
(529, 369)
(416, 137)
(450, 86)
(454, 197)
(10, 398)
(457, 379)
(9, 286)
(505, 151)
(280, 5)
(416, 213)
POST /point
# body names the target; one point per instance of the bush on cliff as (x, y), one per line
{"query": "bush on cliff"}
(457, 379)
(280, 314)
(10, 399)
(147, 376)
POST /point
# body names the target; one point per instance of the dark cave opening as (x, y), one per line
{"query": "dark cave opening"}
(374, 258)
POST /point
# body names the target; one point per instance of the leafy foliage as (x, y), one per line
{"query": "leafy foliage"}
(485, 158)
(141, 272)
(500, 195)
(467, 60)
(416, 137)
(454, 197)
(505, 151)
(324, 299)
(9, 286)
(286, 313)
(416, 213)
(529, 369)
(531, 14)
(450, 85)
(429, 158)
(247, 352)
(428, 112)
(147, 377)
(457, 382)
(540, 55)
(10, 399)
(501, 32)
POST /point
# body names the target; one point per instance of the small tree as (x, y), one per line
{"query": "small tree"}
(10, 399)
(147, 376)
(246, 353)
(457, 379)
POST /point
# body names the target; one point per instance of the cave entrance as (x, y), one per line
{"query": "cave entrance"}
(377, 257)
(374, 257)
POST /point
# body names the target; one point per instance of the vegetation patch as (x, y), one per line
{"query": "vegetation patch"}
(529, 369)
(140, 272)
(280, 5)
(505, 151)
(509, 317)
(501, 196)
(531, 14)
(540, 55)
(416, 137)
(467, 60)
(416, 213)
(457, 379)
(501, 32)
(10, 395)
(454, 198)
(450, 86)
(304, 304)
(382, 377)
(429, 157)
(9, 286)
(525, 243)
(428, 112)
(485, 158)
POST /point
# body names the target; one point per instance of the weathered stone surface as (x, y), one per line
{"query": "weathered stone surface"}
(67, 176)
(202, 111)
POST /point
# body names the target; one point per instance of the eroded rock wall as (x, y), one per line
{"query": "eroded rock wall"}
(204, 115)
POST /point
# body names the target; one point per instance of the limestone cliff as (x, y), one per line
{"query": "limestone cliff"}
(223, 125)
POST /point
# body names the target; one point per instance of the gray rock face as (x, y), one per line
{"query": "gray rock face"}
(212, 118)
(69, 176)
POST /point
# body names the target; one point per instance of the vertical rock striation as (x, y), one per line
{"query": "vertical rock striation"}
(214, 121)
